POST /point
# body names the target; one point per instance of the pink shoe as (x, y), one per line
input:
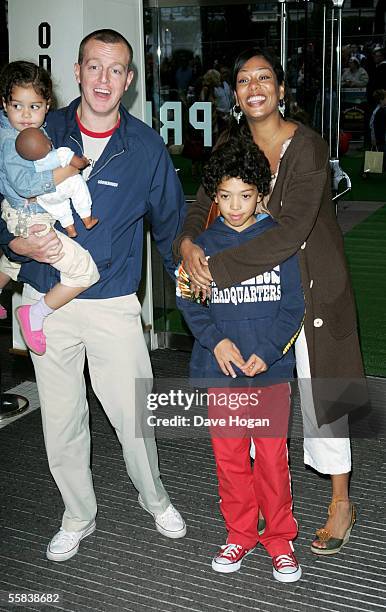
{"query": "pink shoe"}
(35, 340)
(3, 312)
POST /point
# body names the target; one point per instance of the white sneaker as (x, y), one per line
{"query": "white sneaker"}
(65, 544)
(229, 558)
(286, 568)
(170, 522)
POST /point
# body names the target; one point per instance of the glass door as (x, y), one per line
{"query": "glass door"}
(190, 47)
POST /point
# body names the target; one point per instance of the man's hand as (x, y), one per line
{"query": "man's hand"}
(45, 249)
(195, 264)
(226, 353)
(254, 365)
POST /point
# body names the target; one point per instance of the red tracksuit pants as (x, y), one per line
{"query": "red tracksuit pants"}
(244, 488)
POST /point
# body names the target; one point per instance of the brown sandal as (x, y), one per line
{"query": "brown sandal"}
(333, 545)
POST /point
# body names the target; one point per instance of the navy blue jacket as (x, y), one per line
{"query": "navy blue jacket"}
(262, 315)
(134, 178)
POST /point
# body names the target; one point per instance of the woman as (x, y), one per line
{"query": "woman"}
(354, 75)
(328, 348)
(210, 82)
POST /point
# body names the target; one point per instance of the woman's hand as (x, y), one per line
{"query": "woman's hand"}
(195, 264)
(254, 365)
(227, 353)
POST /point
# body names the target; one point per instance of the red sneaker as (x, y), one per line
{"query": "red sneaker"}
(286, 568)
(229, 558)
(35, 340)
(3, 312)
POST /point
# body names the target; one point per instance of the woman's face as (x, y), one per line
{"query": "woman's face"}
(257, 91)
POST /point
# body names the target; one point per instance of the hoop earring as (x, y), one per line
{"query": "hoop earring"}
(281, 107)
(237, 112)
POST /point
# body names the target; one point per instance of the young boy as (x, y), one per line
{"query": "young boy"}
(243, 352)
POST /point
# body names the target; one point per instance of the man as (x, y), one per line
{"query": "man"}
(130, 176)
(379, 81)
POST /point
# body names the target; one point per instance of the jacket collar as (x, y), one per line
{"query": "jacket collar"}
(4, 122)
(261, 225)
(118, 140)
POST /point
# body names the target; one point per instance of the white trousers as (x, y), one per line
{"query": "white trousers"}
(110, 333)
(324, 450)
(58, 203)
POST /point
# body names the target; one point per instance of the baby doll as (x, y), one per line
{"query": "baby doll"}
(32, 144)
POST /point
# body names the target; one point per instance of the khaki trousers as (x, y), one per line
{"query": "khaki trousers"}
(109, 332)
(77, 268)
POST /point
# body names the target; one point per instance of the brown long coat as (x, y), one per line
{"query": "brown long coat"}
(301, 203)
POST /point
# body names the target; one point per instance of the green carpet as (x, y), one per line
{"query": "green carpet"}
(371, 188)
(365, 247)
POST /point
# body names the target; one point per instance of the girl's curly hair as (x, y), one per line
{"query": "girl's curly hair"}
(237, 158)
(23, 74)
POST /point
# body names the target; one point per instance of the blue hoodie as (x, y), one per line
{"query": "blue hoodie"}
(262, 315)
(134, 178)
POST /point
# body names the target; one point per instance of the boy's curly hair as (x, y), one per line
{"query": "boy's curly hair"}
(23, 74)
(237, 158)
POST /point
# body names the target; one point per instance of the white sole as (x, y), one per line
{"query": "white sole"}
(71, 553)
(174, 535)
(334, 551)
(228, 568)
(294, 577)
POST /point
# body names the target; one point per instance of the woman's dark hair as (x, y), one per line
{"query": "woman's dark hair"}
(237, 158)
(22, 74)
(379, 95)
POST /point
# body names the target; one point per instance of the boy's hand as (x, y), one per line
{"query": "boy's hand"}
(254, 365)
(226, 353)
(195, 264)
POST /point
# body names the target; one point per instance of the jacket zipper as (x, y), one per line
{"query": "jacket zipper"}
(92, 174)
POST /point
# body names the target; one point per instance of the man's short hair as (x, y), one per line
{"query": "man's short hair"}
(106, 36)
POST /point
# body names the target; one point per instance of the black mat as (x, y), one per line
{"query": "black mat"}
(127, 565)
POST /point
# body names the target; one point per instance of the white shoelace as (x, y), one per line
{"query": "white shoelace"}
(66, 536)
(170, 512)
(231, 550)
(285, 561)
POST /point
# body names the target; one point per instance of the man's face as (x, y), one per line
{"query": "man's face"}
(103, 76)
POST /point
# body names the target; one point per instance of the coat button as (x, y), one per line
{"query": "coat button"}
(303, 245)
(318, 322)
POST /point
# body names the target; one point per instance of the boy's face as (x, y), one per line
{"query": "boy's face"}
(26, 108)
(237, 202)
